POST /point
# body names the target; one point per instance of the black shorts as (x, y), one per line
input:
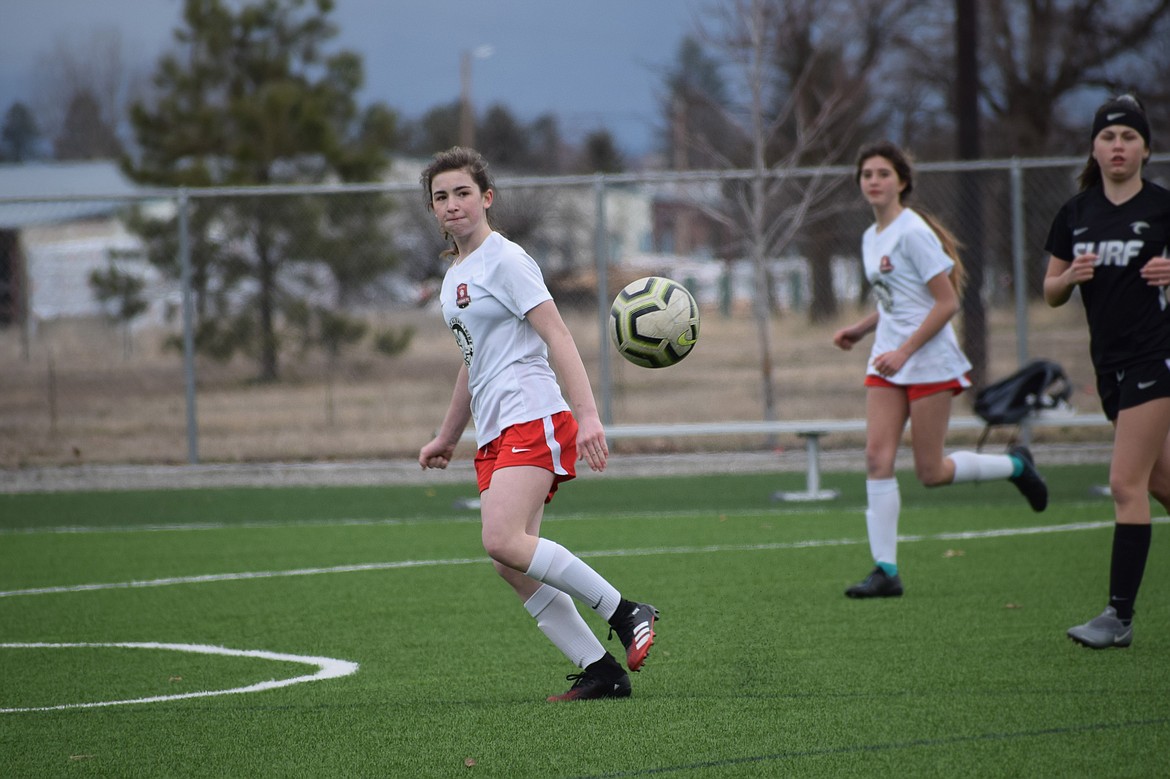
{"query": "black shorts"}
(1133, 386)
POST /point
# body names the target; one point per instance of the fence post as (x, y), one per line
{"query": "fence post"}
(601, 262)
(188, 326)
(1019, 271)
(1020, 282)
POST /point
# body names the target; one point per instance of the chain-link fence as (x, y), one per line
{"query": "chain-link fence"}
(300, 323)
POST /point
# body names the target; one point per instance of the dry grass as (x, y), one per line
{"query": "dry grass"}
(76, 398)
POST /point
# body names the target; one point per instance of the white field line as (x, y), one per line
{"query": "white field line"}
(677, 550)
(327, 668)
(469, 517)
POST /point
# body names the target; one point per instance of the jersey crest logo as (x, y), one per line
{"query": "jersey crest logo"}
(462, 299)
(1139, 226)
(885, 266)
(462, 339)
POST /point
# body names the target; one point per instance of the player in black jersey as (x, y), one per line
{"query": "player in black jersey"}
(1110, 242)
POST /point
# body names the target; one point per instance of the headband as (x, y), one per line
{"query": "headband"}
(1124, 111)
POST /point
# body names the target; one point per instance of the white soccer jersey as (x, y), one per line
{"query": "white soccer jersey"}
(899, 261)
(484, 298)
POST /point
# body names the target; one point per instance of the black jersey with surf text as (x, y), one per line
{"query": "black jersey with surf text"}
(1129, 321)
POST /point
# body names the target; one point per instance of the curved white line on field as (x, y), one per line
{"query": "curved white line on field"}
(327, 668)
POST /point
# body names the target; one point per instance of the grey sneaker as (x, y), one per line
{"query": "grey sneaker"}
(1103, 631)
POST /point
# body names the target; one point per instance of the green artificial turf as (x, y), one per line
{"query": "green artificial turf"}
(761, 666)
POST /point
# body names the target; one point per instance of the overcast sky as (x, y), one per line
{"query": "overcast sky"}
(594, 64)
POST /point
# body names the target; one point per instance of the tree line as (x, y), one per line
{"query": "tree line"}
(255, 93)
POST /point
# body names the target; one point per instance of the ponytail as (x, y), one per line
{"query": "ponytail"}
(950, 245)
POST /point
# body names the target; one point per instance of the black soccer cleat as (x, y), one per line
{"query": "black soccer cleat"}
(635, 629)
(1030, 483)
(602, 679)
(878, 584)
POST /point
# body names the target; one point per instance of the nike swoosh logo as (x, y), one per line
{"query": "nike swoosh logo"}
(1079, 230)
(518, 451)
(1111, 117)
(1146, 384)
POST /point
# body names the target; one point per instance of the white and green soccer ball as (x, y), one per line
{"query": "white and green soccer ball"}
(654, 322)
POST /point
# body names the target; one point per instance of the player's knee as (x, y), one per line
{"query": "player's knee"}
(497, 544)
(1125, 492)
(878, 464)
(933, 475)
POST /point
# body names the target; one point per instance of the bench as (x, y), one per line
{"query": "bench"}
(812, 430)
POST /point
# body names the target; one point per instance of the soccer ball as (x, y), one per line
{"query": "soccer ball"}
(654, 322)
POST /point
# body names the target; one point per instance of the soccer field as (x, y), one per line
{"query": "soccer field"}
(361, 632)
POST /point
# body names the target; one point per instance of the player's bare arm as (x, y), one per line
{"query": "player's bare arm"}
(550, 326)
(437, 452)
(1063, 276)
(847, 337)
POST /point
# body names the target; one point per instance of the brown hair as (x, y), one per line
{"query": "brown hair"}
(457, 158)
(905, 170)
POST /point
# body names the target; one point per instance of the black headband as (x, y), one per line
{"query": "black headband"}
(1124, 111)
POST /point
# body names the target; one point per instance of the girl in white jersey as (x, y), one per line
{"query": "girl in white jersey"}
(511, 334)
(1109, 242)
(916, 365)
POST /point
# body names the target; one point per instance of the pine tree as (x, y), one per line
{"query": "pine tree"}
(85, 136)
(251, 98)
(20, 136)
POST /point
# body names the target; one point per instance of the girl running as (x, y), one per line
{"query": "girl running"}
(916, 365)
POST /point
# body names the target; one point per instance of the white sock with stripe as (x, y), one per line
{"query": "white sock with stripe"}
(557, 617)
(555, 565)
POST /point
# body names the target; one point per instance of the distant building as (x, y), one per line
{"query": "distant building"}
(55, 230)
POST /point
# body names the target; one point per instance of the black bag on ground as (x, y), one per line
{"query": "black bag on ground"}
(1039, 385)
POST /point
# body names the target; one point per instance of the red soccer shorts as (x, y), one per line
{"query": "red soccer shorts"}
(549, 443)
(916, 391)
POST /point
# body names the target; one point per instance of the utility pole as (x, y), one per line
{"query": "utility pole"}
(969, 196)
(466, 108)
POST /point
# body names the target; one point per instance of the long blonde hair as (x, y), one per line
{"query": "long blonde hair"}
(901, 162)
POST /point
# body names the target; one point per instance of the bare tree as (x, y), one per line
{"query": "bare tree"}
(1044, 66)
(92, 69)
(801, 71)
(1041, 62)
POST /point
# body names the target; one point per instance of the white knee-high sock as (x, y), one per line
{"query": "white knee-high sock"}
(558, 618)
(971, 466)
(555, 565)
(881, 519)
